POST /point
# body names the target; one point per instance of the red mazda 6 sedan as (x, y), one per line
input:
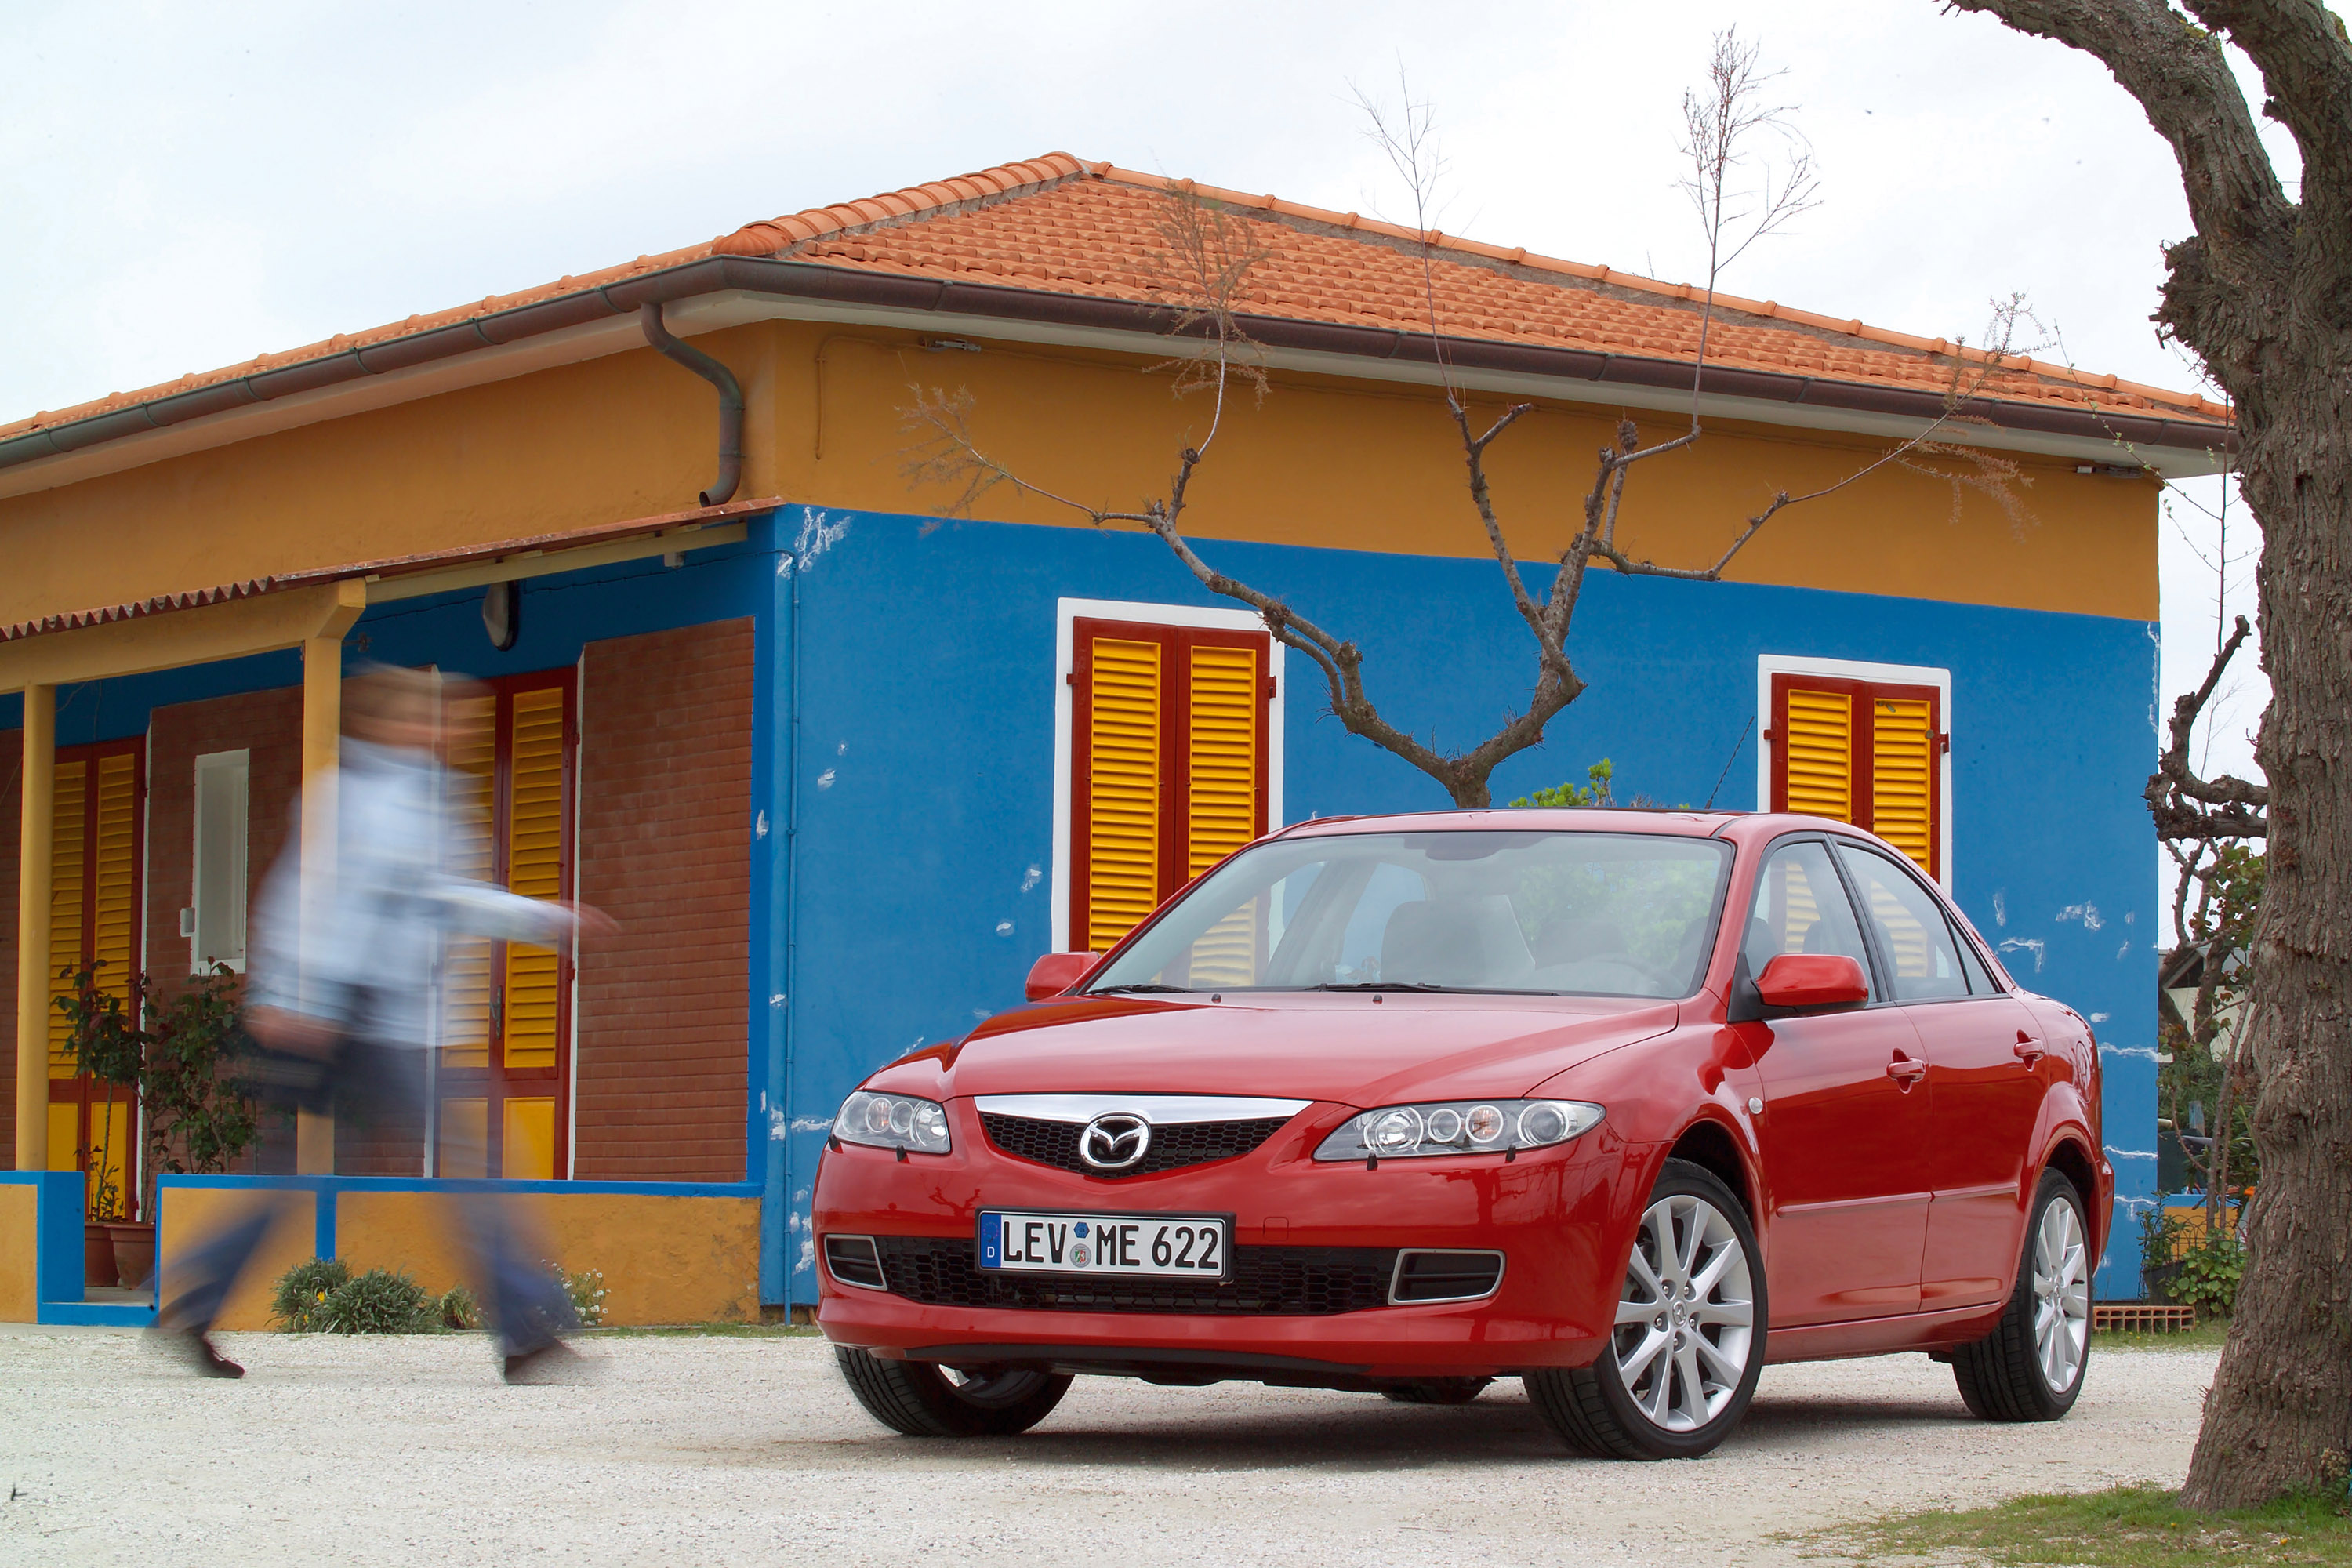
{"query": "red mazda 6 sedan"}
(1621, 1104)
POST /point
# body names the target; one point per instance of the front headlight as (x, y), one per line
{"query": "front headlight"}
(1459, 1126)
(893, 1122)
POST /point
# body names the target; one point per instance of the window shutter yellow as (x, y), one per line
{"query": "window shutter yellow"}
(1123, 782)
(1902, 776)
(473, 750)
(68, 849)
(1818, 740)
(1222, 814)
(112, 940)
(535, 870)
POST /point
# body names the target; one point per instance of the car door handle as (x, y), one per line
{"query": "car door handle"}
(2029, 1049)
(1906, 1071)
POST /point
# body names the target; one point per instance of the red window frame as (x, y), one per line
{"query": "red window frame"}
(80, 1090)
(1176, 644)
(1862, 775)
(495, 1081)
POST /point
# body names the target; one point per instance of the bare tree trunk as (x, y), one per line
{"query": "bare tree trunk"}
(2259, 293)
(2280, 1416)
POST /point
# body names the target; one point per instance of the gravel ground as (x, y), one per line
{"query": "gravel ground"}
(708, 1449)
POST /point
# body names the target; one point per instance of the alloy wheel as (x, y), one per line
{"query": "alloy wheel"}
(1686, 1316)
(2062, 1296)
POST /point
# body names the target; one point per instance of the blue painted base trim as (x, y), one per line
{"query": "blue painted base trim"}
(325, 1190)
(330, 1185)
(99, 1314)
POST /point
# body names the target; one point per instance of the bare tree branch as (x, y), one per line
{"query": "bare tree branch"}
(1720, 128)
(2191, 809)
(1740, 196)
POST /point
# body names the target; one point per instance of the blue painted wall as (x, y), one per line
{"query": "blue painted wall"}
(901, 827)
(924, 780)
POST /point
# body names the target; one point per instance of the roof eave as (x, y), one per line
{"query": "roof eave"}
(857, 288)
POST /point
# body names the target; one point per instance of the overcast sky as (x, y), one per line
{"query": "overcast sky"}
(184, 185)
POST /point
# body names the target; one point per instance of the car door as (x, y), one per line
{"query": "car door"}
(1844, 1130)
(1986, 1075)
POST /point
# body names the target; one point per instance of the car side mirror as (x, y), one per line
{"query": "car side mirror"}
(1058, 972)
(1811, 983)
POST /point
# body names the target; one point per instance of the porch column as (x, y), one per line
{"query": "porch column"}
(323, 726)
(39, 787)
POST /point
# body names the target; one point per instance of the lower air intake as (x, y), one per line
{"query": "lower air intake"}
(1433, 1275)
(852, 1260)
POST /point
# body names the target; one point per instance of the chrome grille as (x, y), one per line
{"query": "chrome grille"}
(1173, 1145)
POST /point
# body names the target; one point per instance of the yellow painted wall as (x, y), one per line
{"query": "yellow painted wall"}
(1322, 462)
(666, 1259)
(19, 1231)
(186, 1216)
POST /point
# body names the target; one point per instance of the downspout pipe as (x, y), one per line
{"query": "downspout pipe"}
(731, 399)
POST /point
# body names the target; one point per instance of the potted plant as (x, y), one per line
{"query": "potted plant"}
(197, 1121)
(106, 1048)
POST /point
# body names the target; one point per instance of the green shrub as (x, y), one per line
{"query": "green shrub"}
(379, 1302)
(458, 1309)
(298, 1304)
(587, 1291)
(322, 1296)
(2209, 1275)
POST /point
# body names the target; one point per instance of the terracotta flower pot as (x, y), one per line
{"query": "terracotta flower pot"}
(134, 1254)
(97, 1265)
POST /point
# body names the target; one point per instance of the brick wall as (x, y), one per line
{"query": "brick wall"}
(12, 768)
(666, 791)
(268, 725)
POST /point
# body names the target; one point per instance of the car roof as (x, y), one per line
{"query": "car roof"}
(1734, 826)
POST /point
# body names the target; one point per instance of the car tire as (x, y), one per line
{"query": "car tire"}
(1436, 1391)
(1703, 1314)
(2031, 1368)
(922, 1400)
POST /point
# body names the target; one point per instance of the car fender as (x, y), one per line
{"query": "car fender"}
(1657, 1092)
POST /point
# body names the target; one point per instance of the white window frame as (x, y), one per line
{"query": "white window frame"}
(1067, 613)
(1769, 665)
(240, 761)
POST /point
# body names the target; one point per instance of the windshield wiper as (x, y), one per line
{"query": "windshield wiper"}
(1383, 985)
(1141, 986)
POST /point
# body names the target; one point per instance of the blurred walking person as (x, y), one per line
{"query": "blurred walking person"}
(340, 1002)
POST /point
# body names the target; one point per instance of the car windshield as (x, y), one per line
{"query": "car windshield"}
(1604, 914)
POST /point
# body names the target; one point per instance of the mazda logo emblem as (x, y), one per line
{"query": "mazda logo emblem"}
(1117, 1142)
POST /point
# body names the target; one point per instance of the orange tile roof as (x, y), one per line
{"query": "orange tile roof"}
(1058, 225)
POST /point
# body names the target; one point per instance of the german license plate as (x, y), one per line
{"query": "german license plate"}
(1186, 1247)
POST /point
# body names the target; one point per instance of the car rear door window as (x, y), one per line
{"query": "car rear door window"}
(1922, 963)
(1980, 982)
(1801, 907)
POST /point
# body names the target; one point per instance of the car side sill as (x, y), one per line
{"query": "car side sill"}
(1878, 1336)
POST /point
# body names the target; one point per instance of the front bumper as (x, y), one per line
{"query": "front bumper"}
(1561, 1217)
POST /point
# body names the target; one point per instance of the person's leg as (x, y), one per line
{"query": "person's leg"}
(522, 1299)
(203, 1278)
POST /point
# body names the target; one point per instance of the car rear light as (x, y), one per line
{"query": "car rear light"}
(1433, 1275)
(852, 1260)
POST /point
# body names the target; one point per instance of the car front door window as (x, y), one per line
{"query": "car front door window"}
(1845, 1124)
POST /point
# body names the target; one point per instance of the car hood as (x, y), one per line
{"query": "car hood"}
(1348, 1049)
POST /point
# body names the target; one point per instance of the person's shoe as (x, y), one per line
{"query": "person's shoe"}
(195, 1348)
(553, 1362)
